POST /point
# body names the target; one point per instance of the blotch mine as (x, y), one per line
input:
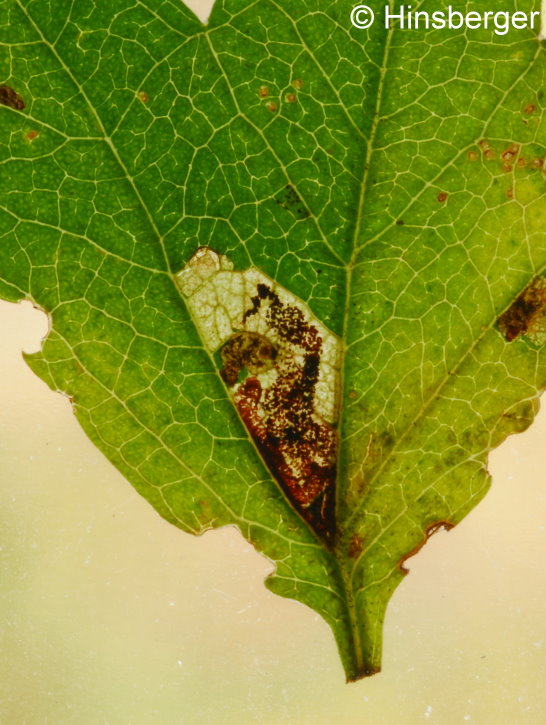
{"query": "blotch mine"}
(281, 366)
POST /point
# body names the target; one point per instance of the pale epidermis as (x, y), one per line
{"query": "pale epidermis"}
(218, 298)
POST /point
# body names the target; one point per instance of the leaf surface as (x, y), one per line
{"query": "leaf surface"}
(390, 182)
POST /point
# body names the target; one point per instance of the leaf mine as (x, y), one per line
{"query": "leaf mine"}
(281, 366)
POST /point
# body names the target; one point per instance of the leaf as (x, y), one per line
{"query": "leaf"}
(377, 192)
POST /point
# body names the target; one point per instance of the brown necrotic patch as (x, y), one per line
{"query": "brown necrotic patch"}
(526, 314)
(279, 409)
(10, 98)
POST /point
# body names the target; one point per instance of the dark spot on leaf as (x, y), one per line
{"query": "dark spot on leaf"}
(442, 196)
(356, 546)
(525, 312)
(10, 98)
(529, 109)
(290, 200)
(400, 222)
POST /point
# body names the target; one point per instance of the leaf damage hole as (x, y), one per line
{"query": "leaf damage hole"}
(429, 531)
(527, 314)
(281, 366)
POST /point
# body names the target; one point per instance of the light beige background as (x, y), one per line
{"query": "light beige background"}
(110, 615)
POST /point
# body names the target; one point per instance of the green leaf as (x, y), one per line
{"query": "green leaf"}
(371, 207)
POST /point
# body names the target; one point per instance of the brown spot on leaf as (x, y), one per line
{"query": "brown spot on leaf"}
(510, 193)
(472, 156)
(525, 312)
(31, 135)
(271, 106)
(290, 98)
(529, 109)
(263, 91)
(537, 163)
(431, 529)
(509, 153)
(143, 96)
(442, 196)
(489, 154)
(10, 98)
(484, 145)
(297, 83)
(521, 162)
(356, 545)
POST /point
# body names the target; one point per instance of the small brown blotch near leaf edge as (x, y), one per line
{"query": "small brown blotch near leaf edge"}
(525, 312)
